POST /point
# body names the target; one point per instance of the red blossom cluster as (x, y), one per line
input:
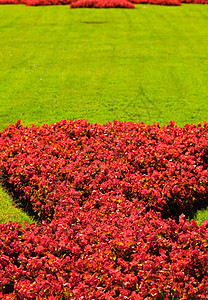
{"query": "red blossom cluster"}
(9, 2)
(37, 2)
(102, 4)
(126, 253)
(109, 199)
(195, 1)
(165, 168)
(158, 2)
(47, 2)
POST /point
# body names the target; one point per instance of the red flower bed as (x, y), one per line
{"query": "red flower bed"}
(47, 2)
(102, 194)
(165, 168)
(126, 253)
(10, 2)
(158, 2)
(195, 1)
(102, 4)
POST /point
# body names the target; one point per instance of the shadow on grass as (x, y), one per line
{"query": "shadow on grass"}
(30, 216)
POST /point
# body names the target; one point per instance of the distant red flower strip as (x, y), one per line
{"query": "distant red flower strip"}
(195, 1)
(47, 2)
(102, 4)
(158, 2)
(9, 2)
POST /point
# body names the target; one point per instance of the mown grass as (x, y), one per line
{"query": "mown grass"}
(148, 64)
(201, 215)
(8, 212)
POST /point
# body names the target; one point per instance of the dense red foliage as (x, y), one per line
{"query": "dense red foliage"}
(102, 4)
(102, 193)
(110, 254)
(9, 2)
(165, 168)
(195, 1)
(158, 2)
(47, 2)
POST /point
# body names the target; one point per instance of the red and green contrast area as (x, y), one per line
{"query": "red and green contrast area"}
(158, 2)
(46, 2)
(101, 3)
(111, 202)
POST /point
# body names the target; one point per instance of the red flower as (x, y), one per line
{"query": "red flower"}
(102, 4)
(154, 292)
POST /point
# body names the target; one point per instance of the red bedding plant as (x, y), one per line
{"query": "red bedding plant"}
(47, 2)
(158, 2)
(102, 4)
(165, 168)
(127, 253)
(195, 1)
(104, 195)
(10, 2)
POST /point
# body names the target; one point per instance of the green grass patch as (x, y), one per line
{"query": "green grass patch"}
(148, 64)
(8, 211)
(201, 215)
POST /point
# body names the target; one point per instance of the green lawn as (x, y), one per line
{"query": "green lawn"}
(148, 64)
(10, 213)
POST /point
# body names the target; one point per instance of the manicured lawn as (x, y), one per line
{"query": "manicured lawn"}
(148, 64)
(10, 213)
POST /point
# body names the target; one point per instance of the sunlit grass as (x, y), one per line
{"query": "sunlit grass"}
(201, 215)
(148, 64)
(8, 211)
